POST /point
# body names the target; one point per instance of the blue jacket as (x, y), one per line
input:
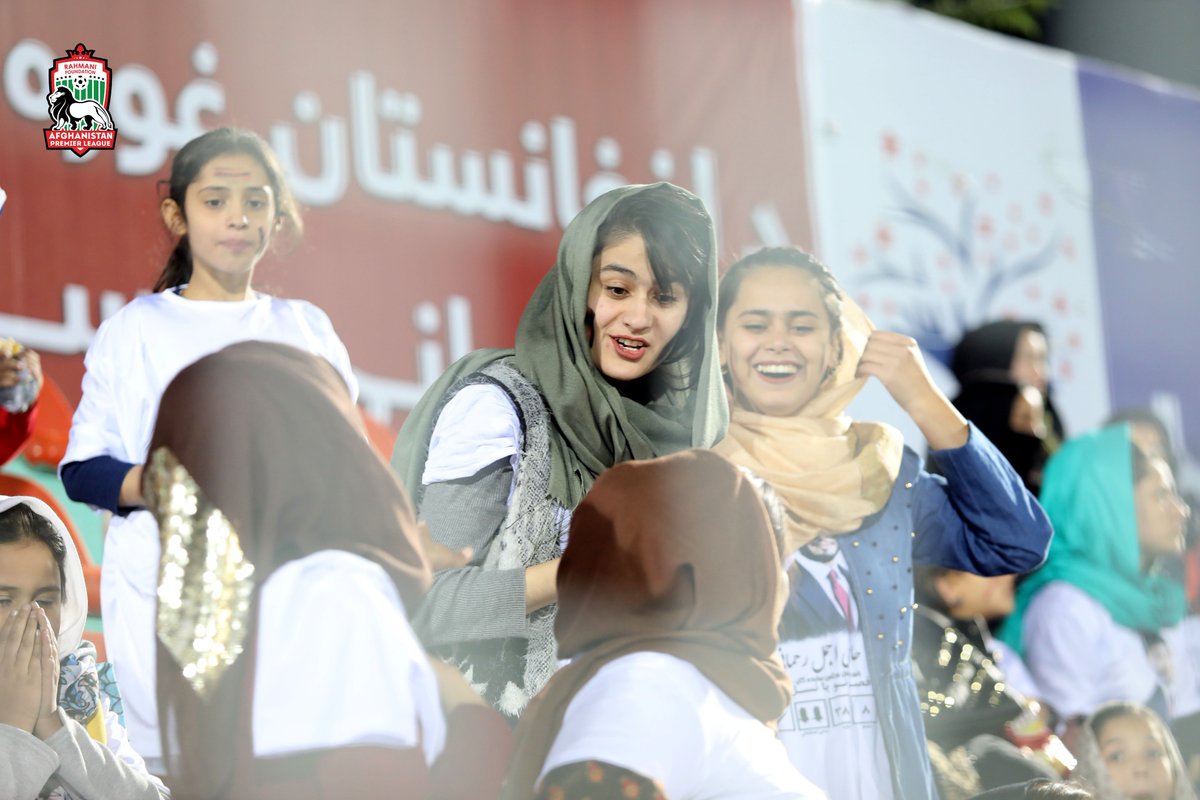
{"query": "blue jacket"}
(977, 517)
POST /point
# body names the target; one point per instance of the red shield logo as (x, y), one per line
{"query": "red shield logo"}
(80, 85)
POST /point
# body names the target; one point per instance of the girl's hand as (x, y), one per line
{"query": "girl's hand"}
(48, 721)
(441, 557)
(20, 669)
(895, 359)
(453, 688)
(33, 365)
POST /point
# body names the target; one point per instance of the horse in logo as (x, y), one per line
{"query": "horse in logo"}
(71, 114)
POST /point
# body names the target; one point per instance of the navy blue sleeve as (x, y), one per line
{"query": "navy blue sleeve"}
(977, 516)
(97, 482)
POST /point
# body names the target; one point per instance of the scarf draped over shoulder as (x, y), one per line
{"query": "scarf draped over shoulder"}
(830, 471)
(1087, 491)
(594, 425)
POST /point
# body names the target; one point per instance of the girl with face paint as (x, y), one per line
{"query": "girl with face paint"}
(227, 202)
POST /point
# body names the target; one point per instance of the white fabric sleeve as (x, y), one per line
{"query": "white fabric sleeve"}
(477, 427)
(640, 712)
(118, 743)
(1183, 640)
(338, 664)
(90, 770)
(27, 764)
(95, 427)
(331, 346)
(1078, 656)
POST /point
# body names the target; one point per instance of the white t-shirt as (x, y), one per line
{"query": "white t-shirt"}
(133, 357)
(1184, 643)
(831, 730)
(338, 664)
(1080, 657)
(477, 427)
(660, 717)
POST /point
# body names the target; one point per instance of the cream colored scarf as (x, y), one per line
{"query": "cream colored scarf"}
(831, 472)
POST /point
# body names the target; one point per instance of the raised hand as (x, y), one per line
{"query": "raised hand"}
(896, 361)
(20, 668)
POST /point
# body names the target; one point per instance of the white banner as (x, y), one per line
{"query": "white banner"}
(950, 187)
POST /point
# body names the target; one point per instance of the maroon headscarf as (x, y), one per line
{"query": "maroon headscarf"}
(671, 555)
(272, 439)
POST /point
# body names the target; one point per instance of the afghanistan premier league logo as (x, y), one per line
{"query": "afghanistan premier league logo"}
(79, 89)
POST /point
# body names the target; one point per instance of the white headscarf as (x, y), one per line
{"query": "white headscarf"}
(75, 600)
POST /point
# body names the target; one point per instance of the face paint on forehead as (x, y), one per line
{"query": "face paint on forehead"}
(228, 173)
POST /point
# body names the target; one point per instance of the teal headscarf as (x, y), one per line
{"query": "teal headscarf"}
(1087, 491)
(594, 425)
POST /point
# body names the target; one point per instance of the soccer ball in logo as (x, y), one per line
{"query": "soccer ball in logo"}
(81, 84)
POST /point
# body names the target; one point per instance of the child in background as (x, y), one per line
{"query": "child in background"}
(1127, 753)
(58, 736)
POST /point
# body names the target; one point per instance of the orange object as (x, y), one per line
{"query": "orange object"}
(382, 437)
(97, 638)
(48, 444)
(17, 485)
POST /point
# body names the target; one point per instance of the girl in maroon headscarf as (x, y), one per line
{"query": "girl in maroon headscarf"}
(290, 559)
(669, 592)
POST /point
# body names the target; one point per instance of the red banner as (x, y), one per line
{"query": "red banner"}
(438, 148)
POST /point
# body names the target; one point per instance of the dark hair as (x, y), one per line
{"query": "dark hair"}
(1049, 790)
(677, 231)
(187, 165)
(1117, 709)
(21, 523)
(795, 258)
(989, 348)
(925, 592)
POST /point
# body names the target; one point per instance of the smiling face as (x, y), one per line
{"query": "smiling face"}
(1136, 759)
(228, 215)
(776, 342)
(633, 319)
(28, 574)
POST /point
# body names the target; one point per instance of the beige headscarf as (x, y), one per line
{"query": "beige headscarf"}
(830, 471)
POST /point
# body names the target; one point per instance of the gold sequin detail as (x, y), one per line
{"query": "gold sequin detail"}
(205, 580)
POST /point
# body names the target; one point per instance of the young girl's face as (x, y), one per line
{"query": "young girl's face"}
(230, 215)
(1136, 758)
(29, 574)
(634, 319)
(776, 342)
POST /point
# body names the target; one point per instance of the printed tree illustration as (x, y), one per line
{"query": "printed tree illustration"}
(964, 245)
